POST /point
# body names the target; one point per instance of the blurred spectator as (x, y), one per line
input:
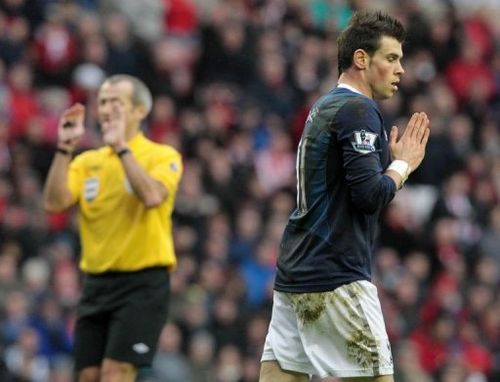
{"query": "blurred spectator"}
(407, 370)
(490, 241)
(123, 53)
(146, 16)
(55, 49)
(227, 325)
(23, 360)
(434, 343)
(201, 349)
(23, 103)
(180, 17)
(227, 54)
(275, 164)
(169, 364)
(229, 367)
(164, 126)
(271, 90)
(55, 342)
(16, 316)
(258, 272)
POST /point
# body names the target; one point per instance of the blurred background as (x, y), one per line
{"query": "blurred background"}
(233, 81)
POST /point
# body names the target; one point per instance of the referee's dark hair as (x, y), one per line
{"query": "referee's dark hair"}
(365, 31)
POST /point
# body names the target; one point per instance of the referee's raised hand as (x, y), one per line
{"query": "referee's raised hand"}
(114, 128)
(71, 127)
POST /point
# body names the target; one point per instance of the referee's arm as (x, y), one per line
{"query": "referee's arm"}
(56, 195)
(149, 190)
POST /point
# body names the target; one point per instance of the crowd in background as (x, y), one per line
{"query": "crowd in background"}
(233, 81)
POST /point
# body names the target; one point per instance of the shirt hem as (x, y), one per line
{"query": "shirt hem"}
(307, 288)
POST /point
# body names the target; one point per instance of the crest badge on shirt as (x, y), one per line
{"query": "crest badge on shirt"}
(91, 188)
(173, 166)
(363, 141)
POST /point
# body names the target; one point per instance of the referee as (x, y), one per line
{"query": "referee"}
(125, 195)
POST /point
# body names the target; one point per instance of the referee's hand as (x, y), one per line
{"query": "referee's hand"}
(71, 127)
(114, 129)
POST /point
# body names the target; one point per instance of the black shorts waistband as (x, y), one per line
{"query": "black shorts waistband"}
(112, 274)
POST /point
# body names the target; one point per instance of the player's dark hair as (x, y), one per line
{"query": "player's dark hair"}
(365, 30)
(140, 92)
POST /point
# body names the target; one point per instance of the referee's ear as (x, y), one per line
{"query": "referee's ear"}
(360, 59)
(141, 112)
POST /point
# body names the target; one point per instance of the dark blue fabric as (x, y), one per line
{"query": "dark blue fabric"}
(329, 238)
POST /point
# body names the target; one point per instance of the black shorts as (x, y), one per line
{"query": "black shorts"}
(120, 316)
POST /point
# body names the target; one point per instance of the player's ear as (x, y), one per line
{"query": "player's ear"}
(360, 59)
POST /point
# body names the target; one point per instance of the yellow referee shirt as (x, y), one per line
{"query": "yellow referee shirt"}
(118, 233)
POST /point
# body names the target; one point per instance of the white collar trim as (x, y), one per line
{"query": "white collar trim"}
(349, 87)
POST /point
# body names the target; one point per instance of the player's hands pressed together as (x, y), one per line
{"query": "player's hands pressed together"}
(410, 145)
(71, 127)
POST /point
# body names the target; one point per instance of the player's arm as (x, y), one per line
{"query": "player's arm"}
(56, 194)
(359, 129)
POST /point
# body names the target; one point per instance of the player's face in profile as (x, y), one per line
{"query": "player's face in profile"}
(385, 70)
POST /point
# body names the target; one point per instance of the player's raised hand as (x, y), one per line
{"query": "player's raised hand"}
(410, 145)
(71, 127)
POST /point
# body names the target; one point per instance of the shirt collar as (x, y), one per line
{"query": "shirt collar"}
(132, 143)
(349, 87)
(136, 140)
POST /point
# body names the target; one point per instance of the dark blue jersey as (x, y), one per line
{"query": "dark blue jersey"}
(341, 190)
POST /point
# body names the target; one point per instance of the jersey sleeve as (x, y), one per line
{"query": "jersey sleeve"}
(167, 168)
(75, 177)
(360, 131)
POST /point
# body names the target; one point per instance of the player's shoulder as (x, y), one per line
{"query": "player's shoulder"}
(344, 98)
(358, 106)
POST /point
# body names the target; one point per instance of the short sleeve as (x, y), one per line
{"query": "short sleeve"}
(75, 177)
(167, 168)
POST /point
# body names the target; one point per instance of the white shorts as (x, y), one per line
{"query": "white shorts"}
(340, 333)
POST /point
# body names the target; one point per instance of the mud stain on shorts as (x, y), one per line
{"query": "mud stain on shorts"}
(308, 306)
(361, 343)
(362, 347)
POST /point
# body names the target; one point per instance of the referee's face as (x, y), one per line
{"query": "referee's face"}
(385, 69)
(115, 101)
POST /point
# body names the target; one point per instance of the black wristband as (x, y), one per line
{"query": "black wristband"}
(62, 151)
(122, 152)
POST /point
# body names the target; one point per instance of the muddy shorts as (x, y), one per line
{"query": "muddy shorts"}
(339, 333)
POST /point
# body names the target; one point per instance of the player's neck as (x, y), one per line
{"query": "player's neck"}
(355, 81)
